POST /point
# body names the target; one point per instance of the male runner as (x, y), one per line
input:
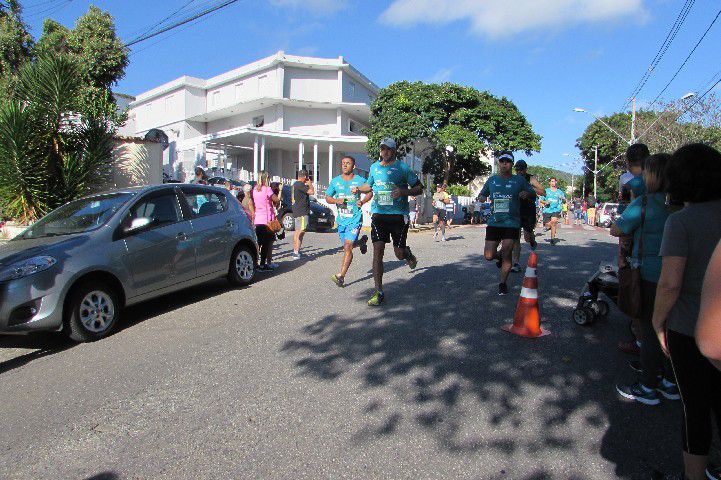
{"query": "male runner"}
(528, 214)
(440, 199)
(504, 225)
(301, 191)
(350, 215)
(551, 202)
(391, 182)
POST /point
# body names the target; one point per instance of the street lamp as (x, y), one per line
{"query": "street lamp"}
(684, 98)
(630, 142)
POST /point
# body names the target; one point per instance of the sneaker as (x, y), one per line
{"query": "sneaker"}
(502, 289)
(376, 299)
(631, 347)
(443, 239)
(273, 266)
(338, 280)
(635, 366)
(411, 259)
(295, 256)
(669, 390)
(713, 473)
(263, 268)
(516, 268)
(363, 244)
(638, 392)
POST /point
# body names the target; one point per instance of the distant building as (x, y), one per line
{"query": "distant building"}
(279, 114)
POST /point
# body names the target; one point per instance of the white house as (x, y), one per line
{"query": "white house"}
(279, 114)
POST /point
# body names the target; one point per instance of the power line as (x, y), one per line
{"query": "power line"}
(203, 13)
(159, 23)
(686, 60)
(670, 37)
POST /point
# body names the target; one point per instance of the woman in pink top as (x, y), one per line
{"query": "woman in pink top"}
(264, 201)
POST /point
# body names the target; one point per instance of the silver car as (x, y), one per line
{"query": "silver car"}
(77, 267)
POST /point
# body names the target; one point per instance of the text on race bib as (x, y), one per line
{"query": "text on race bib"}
(501, 205)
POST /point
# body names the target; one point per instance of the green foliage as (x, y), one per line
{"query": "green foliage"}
(16, 44)
(544, 174)
(459, 190)
(52, 149)
(431, 116)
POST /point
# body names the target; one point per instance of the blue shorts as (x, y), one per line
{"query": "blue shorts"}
(349, 232)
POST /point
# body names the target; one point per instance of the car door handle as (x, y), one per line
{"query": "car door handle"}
(182, 237)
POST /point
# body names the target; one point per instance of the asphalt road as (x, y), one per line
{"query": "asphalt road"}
(293, 377)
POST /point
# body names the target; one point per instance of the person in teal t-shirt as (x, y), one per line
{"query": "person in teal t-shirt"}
(504, 225)
(552, 202)
(645, 219)
(391, 182)
(350, 215)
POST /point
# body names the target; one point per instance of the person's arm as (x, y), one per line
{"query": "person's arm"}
(527, 192)
(667, 293)
(251, 204)
(708, 328)
(485, 192)
(537, 186)
(628, 222)
(330, 195)
(310, 190)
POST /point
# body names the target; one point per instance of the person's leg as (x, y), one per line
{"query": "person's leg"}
(554, 227)
(517, 252)
(692, 375)
(262, 243)
(347, 258)
(490, 250)
(652, 356)
(443, 228)
(506, 261)
(378, 251)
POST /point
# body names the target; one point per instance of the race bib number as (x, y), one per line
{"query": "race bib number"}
(385, 198)
(345, 210)
(501, 205)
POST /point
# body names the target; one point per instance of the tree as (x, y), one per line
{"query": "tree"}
(52, 150)
(16, 44)
(429, 117)
(544, 174)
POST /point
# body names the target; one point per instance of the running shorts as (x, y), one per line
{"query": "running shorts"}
(301, 223)
(349, 232)
(440, 213)
(384, 227)
(547, 217)
(496, 234)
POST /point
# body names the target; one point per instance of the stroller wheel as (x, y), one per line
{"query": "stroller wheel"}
(584, 316)
(600, 308)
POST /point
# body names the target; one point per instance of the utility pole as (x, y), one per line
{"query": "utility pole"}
(595, 172)
(633, 121)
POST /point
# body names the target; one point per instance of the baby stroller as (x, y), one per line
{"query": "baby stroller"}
(590, 308)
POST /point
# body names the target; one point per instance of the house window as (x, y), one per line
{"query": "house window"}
(355, 127)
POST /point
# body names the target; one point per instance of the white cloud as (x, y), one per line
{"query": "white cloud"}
(501, 18)
(441, 76)
(316, 6)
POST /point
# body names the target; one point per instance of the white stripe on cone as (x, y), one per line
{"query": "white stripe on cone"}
(529, 292)
(530, 272)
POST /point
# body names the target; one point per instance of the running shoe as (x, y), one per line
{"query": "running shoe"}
(263, 268)
(638, 392)
(338, 280)
(631, 347)
(516, 268)
(669, 390)
(376, 299)
(363, 244)
(295, 256)
(713, 473)
(411, 259)
(443, 238)
(273, 266)
(502, 289)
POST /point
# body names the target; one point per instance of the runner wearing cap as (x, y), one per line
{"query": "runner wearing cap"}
(551, 202)
(391, 182)
(528, 214)
(504, 225)
(350, 215)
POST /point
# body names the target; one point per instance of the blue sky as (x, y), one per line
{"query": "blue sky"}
(548, 56)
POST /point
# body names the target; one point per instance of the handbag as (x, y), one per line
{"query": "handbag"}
(275, 225)
(629, 277)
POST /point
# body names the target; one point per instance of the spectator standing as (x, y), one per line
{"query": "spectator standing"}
(264, 201)
(301, 192)
(591, 211)
(694, 175)
(450, 210)
(248, 198)
(201, 178)
(644, 220)
(413, 207)
(708, 330)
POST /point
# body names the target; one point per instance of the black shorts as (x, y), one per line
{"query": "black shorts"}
(528, 224)
(384, 227)
(496, 234)
(440, 213)
(547, 217)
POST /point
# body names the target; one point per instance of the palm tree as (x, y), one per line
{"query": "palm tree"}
(53, 149)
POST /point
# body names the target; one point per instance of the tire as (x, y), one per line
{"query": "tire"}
(583, 316)
(601, 308)
(288, 222)
(241, 270)
(92, 312)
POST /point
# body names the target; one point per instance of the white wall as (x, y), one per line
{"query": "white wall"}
(244, 120)
(355, 92)
(311, 121)
(260, 84)
(173, 107)
(310, 84)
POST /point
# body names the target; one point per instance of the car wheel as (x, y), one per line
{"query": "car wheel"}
(600, 308)
(93, 311)
(242, 266)
(288, 222)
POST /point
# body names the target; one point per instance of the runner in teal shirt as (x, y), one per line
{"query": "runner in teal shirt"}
(343, 193)
(383, 179)
(552, 200)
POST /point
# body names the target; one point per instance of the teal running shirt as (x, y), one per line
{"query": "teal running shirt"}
(555, 199)
(348, 212)
(383, 179)
(506, 206)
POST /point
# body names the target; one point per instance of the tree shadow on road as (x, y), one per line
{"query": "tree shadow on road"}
(434, 359)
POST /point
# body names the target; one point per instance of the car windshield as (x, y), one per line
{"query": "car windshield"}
(78, 216)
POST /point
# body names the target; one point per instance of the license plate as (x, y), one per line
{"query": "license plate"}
(322, 220)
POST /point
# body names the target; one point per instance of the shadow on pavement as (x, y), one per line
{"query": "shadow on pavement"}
(473, 389)
(44, 344)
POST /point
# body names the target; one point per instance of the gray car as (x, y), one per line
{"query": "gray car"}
(77, 267)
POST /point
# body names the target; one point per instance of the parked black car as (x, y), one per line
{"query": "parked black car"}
(321, 217)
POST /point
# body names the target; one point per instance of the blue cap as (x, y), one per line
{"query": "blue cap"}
(389, 142)
(506, 156)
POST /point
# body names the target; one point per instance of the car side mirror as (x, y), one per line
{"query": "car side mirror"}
(138, 224)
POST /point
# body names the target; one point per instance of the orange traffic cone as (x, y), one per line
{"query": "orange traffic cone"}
(527, 321)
